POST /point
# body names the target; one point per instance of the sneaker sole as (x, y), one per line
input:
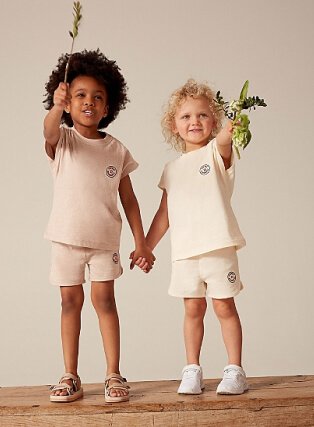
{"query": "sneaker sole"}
(230, 393)
(192, 392)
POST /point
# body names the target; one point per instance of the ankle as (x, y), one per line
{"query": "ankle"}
(112, 371)
(72, 371)
(193, 361)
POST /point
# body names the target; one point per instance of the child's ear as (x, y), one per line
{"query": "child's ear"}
(174, 128)
(106, 111)
(67, 109)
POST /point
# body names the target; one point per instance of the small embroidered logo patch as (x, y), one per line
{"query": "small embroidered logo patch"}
(111, 171)
(115, 258)
(204, 170)
(232, 277)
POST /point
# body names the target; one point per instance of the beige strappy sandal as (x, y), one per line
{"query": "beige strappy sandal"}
(74, 391)
(119, 383)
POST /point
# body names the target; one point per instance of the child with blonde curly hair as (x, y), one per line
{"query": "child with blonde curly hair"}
(196, 206)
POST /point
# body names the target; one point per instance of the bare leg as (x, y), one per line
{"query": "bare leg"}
(103, 300)
(228, 317)
(195, 309)
(72, 298)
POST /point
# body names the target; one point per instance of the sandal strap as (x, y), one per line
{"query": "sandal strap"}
(118, 387)
(63, 386)
(119, 384)
(69, 376)
(71, 389)
(115, 376)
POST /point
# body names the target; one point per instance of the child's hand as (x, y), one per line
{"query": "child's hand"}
(61, 96)
(143, 258)
(224, 137)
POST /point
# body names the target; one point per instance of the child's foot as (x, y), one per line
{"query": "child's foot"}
(116, 389)
(233, 382)
(68, 389)
(192, 380)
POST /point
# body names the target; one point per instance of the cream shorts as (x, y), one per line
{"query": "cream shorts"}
(68, 264)
(214, 274)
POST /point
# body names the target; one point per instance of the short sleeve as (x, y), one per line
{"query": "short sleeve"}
(162, 181)
(49, 150)
(129, 164)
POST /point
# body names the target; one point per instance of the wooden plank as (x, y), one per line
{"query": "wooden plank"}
(270, 401)
(290, 417)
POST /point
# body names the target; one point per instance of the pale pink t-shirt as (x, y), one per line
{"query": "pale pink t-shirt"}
(199, 191)
(87, 174)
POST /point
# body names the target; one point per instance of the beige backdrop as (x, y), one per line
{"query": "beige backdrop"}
(158, 45)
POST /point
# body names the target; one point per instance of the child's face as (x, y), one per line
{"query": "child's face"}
(194, 122)
(88, 103)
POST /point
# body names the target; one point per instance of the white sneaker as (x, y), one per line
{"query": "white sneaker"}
(233, 382)
(192, 380)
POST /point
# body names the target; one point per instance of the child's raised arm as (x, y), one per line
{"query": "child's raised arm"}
(61, 99)
(224, 143)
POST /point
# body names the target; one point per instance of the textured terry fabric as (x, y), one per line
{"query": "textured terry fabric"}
(199, 191)
(214, 274)
(68, 264)
(87, 174)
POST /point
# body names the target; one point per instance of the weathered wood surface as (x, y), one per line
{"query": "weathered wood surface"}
(271, 401)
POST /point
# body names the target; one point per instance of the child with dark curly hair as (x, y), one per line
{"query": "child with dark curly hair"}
(89, 168)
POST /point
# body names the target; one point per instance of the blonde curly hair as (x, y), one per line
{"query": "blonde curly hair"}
(195, 90)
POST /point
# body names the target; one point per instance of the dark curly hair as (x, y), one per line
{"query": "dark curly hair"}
(93, 64)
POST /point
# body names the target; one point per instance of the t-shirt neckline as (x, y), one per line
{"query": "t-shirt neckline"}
(90, 140)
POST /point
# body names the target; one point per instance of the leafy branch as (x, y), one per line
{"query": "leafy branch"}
(233, 110)
(77, 15)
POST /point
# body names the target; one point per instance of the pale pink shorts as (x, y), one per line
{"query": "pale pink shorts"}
(68, 264)
(214, 274)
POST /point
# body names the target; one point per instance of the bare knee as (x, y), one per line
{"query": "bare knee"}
(71, 300)
(103, 298)
(195, 308)
(225, 308)
(104, 305)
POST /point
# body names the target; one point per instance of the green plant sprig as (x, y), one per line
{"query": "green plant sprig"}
(241, 135)
(77, 15)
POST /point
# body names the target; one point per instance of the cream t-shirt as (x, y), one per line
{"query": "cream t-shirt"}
(87, 174)
(199, 191)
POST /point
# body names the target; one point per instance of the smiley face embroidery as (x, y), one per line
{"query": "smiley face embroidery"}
(111, 171)
(232, 277)
(204, 169)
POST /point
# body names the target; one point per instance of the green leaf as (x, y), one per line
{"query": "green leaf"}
(77, 8)
(77, 16)
(244, 91)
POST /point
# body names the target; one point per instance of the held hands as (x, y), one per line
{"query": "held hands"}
(61, 96)
(143, 257)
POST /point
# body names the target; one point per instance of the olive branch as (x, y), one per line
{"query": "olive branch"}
(241, 135)
(77, 15)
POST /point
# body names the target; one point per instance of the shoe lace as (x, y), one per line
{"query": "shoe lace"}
(231, 373)
(190, 372)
